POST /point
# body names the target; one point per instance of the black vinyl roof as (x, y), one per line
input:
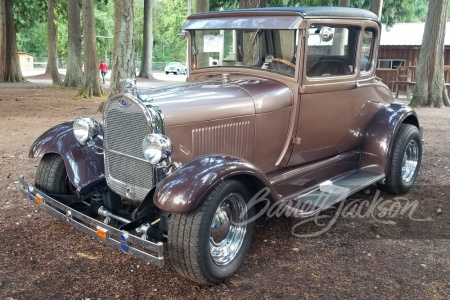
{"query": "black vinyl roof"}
(309, 11)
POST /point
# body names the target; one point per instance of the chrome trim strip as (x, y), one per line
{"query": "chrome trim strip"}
(75, 219)
(117, 152)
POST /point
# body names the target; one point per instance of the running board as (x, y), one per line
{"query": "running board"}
(330, 192)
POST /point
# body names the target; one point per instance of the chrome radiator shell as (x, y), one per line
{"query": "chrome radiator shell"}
(126, 121)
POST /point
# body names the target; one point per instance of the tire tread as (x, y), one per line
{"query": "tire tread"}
(185, 240)
(393, 185)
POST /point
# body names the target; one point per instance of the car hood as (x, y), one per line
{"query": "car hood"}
(212, 100)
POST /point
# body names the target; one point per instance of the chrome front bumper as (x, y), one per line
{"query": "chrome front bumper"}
(121, 240)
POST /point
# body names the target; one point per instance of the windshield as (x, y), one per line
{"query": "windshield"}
(271, 50)
(174, 64)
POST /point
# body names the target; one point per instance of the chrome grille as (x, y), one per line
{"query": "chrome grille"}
(125, 127)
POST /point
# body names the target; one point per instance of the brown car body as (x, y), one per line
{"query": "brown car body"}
(307, 142)
(279, 129)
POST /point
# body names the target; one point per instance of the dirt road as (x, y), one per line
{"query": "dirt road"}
(357, 258)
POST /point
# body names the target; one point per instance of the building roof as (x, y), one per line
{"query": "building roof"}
(407, 34)
(307, 11)
(20, 52)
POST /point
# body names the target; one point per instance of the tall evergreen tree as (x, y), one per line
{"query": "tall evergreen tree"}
(430, 85)
(52, 43)
(123, 64)
(252, 3)
(2, 39)
(12, 72)
(74, 74)
(92, 85)
(147, 47)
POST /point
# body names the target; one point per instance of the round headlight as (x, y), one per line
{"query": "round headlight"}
(85, 129)
(156, 147)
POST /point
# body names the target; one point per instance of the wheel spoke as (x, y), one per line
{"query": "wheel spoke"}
(410, 161)
(228, 229)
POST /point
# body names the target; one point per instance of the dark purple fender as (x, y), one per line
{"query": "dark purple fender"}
(379, 138)
(83, 166)
(183, 190)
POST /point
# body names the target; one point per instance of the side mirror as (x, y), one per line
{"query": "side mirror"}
(326, 34)
(182, 34)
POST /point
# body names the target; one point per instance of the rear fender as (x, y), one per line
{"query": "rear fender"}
(84, 167)
(379, 138)
(185, 189)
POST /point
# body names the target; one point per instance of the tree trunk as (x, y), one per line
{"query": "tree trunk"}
(74, 74)
(13, 73)
(187, 42)
(202, 59)
(346, 3)
(92, 85)
(123, 65)
(47, 68)
(52, 46)
(252, 3)
(2, 39)
(430, 88)
(377, 7)
(340, 35)
(201, 6)
(146, 57)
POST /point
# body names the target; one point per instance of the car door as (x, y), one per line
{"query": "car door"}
(333, 112)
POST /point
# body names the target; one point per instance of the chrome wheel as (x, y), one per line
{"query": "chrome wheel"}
(228, 229)
(410, 161)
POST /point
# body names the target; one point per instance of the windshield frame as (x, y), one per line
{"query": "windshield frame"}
(246, 70)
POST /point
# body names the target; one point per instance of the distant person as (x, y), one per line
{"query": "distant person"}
(104, 69)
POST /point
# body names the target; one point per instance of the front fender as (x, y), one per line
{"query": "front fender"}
(83, 165)
(379, 138)
(185, 189)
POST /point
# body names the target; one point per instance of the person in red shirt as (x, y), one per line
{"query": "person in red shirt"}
(104, 69)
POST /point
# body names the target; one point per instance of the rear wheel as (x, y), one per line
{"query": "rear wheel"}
(51, 176)
(405, 160)
(209, 244)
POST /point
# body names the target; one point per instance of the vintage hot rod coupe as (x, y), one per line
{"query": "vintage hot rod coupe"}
(278, 99)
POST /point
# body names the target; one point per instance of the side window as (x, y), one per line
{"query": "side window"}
(390, 64)
(331, 51)
(367, 49)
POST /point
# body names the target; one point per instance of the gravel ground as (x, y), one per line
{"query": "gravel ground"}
(357, 258)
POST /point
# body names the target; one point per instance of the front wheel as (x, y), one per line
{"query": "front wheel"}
(405, 160)
(208, 245)
(51, 176)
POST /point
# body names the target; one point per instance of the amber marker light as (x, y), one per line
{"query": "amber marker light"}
(103, 233)
(39, 199)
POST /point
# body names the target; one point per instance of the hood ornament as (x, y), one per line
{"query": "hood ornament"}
(226, 77)
(130, 85)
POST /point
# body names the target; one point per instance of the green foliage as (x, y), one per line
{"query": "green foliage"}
(29, 12)
(33, 40)
(104, 26)
(168, 17)
(171, 15)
